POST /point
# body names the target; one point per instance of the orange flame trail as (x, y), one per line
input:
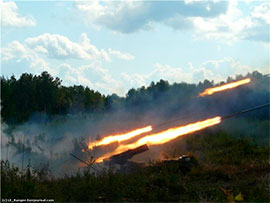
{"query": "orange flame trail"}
(210, 91)
(165, 136)
(121, 137)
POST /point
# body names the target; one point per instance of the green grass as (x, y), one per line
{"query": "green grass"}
(236, 165)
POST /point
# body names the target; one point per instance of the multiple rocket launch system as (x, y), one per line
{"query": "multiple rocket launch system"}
(123, 157)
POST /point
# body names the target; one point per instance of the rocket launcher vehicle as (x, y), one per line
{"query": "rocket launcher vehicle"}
(123, 157)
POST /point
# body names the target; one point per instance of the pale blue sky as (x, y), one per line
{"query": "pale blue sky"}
(112, 46)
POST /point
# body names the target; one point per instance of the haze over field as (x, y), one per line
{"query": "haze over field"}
(40, 127)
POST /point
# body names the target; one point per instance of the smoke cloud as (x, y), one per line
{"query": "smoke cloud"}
(44, 140)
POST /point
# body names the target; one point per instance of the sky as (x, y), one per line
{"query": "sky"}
(113, 46)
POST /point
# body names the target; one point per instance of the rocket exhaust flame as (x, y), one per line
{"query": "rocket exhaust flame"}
(164, 136)
(172, 133)
(210, 91)
(120, 137)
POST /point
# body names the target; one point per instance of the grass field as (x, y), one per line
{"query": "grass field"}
(226, 165)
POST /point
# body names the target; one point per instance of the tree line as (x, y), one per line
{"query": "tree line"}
(29, 94)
